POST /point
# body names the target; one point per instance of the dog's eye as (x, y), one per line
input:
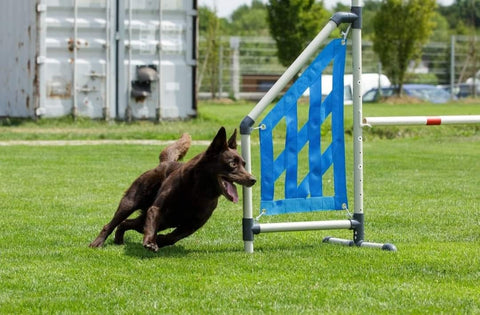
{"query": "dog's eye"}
(232, 164)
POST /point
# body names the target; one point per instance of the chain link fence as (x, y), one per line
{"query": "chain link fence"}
(246, 67)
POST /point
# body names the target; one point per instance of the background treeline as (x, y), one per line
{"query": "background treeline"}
(460, 18)
(267, 37)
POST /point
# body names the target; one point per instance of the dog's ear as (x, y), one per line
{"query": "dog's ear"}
(232, 142)
(219, 143)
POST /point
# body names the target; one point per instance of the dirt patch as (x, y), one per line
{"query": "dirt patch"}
(469, 100)
(395, 100)
(221, 101)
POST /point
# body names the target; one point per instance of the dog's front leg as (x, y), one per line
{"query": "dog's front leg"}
(150, 228)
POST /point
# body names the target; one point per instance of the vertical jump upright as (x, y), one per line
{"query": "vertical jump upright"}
(356, 223)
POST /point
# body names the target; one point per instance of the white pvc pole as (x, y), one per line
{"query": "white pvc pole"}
(421, 120)
(247, 191)
(294, 68)
(357, 116)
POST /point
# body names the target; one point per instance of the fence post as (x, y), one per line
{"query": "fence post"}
(235, 71)
(474, 51)
(220, 70)
(380, 92)
(452, 66)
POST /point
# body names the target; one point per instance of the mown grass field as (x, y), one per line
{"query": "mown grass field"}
(421, 194)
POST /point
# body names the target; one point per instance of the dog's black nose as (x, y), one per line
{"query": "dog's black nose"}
(251, 182)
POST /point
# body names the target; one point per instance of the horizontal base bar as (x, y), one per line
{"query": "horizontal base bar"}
(303, 226)
(344, 242)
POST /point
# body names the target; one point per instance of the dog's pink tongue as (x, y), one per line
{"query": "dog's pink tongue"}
(232, 191)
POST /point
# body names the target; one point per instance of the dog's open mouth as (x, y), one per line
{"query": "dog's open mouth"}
(229, 190)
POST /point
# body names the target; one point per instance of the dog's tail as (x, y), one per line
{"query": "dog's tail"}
(177, 150)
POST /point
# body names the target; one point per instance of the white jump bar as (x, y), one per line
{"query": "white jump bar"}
(422, 120)
(303, 226)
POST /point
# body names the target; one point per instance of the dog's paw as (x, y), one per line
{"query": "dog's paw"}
(96, 243)
(118, 241)
(151, 246)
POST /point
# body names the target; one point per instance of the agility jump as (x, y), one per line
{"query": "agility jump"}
(308, 195)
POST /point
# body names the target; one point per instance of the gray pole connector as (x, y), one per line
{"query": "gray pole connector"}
(344, 17)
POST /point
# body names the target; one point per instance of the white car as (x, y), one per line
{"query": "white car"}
(369, 81)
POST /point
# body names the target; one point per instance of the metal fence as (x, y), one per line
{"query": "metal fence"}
(245, 67)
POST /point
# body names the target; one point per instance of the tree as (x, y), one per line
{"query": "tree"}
(401, 27)
(293, 24)
(469, 11)
(466, 12)
(441, 33)
(250, 20)
(370, 9)
(210, 28)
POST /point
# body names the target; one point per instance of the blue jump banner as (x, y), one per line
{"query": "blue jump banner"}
(308, 194)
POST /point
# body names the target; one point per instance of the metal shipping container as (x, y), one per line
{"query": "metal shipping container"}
(98, 58)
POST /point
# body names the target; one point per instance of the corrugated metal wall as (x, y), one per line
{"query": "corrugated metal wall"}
(18, 74)
(100, 58)
(77, 45)
(143, 33)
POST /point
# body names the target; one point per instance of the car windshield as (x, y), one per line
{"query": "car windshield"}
(373, 95)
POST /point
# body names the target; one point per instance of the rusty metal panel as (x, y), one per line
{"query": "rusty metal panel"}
(91, 58)
(77, 58)
(18, 79)
(160, 36)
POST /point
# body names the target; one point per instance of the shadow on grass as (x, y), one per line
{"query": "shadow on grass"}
(134, 249)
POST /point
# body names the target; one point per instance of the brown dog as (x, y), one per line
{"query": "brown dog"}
(179, 195)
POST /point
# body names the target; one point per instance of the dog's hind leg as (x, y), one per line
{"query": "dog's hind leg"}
(131, 224)
(125, 209)
(176, 235)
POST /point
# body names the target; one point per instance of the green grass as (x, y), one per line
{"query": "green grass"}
(211, 116)
(421, 193)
